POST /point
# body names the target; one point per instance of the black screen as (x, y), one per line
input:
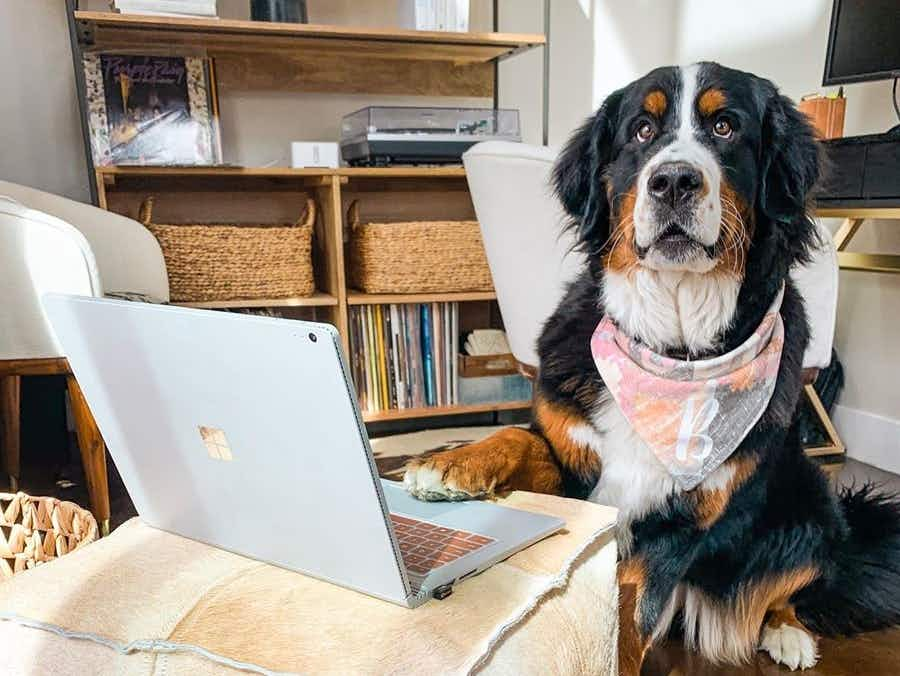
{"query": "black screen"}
(864, 43)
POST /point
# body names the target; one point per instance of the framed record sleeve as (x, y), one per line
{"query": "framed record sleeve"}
(152, 110)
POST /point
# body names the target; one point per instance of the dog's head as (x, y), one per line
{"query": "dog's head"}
(688, 169)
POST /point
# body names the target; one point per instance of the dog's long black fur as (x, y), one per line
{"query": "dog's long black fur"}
(785, 516)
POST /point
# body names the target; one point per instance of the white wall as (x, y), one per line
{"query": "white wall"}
(40, 133)
(785, 41)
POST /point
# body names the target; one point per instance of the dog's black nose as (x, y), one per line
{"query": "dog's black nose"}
(675, 182)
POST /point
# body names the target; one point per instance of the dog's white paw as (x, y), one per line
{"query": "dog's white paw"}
(426, 482)
(790, 646)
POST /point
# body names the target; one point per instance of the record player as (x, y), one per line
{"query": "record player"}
(387, 135)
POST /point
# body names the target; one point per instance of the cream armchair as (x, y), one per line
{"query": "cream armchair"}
(531, 259)
(49, 243)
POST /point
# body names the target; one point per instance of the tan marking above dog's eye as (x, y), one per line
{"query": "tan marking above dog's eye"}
(722, 128)
(711, 101)
(655, 103)
(644, 133)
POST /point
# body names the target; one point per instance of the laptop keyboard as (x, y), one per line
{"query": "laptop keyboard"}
(426, 546)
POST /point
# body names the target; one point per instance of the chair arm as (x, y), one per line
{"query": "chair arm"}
(128, 256)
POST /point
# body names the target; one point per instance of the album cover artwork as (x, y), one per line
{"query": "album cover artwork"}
(152, 110)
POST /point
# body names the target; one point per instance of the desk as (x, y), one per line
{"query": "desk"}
(853, 218)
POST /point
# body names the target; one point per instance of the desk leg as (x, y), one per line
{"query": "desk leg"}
(846, 232)
(93, 455)
(9, 428)
(835, 446)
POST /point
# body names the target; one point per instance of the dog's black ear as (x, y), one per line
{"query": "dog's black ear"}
(791, 164)
(578, 175)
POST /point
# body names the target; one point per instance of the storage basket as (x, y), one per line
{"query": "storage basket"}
(221, 261)
(35, 530)
(417, 256)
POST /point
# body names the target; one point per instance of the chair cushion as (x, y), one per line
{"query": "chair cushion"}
(128, 256)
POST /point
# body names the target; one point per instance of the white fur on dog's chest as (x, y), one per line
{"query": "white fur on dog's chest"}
(631, 478)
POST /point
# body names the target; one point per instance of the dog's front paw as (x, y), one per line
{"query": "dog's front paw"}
(791, 646)
(447, 476)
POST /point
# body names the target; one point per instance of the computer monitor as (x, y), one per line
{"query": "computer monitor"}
(864, 41)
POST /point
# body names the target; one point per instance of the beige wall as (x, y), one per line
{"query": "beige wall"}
(40, 133)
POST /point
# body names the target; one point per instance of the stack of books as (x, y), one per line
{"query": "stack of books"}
(204, 8)
(405, 356)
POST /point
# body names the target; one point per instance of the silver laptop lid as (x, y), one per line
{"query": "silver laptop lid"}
(237, 431)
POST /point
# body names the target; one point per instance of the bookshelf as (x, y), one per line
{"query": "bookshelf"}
(211, 194)
(256, 56)
(430, 411)
(357, 298)
(111, 31)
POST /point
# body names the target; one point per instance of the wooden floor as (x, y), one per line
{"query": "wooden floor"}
(873, 654)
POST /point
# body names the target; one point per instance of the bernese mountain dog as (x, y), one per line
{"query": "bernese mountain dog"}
(688, 191)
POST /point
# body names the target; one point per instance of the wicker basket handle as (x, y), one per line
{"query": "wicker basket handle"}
(145, 211)
(353, 214)
(308, 217)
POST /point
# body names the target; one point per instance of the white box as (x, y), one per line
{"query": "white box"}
(434, 15)
(314, 154)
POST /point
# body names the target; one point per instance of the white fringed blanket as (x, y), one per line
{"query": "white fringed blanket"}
(147, 602)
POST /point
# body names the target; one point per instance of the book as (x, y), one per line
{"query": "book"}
(390, 358)
(405, 356)
(201, 8)
(427, 355)
(378, 328)
(399, 355)
(437, 349)
(152, 110)
(415, 352)
(455, 352)
(372, 353)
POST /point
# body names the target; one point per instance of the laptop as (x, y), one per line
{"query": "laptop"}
(244, 433)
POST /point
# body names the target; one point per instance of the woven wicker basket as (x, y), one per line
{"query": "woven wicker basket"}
(417, 256)
(35, 530)
(219, 261)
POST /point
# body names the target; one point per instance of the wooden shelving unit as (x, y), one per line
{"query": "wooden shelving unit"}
(310, 58)
(110, 31)
(433, 411)
(357, 298)
(318, 299)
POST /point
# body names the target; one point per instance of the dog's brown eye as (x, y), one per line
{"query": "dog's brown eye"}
(644, 133)
(722, 128)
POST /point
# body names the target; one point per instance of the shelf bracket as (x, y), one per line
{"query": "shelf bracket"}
(85, 32)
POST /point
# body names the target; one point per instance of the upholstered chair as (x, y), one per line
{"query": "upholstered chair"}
(531, 258)
(53, 244)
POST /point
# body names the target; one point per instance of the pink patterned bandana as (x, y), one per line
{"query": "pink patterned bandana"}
(692, 414)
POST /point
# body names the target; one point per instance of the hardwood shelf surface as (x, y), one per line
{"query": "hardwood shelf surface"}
(359, 298)
(108, 30)
(129, 170)
(427, 412)
(454, 171)
(318, 299)
(451, 171)
(858, 212)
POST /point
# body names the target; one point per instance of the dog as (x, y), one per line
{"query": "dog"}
(688, 192)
